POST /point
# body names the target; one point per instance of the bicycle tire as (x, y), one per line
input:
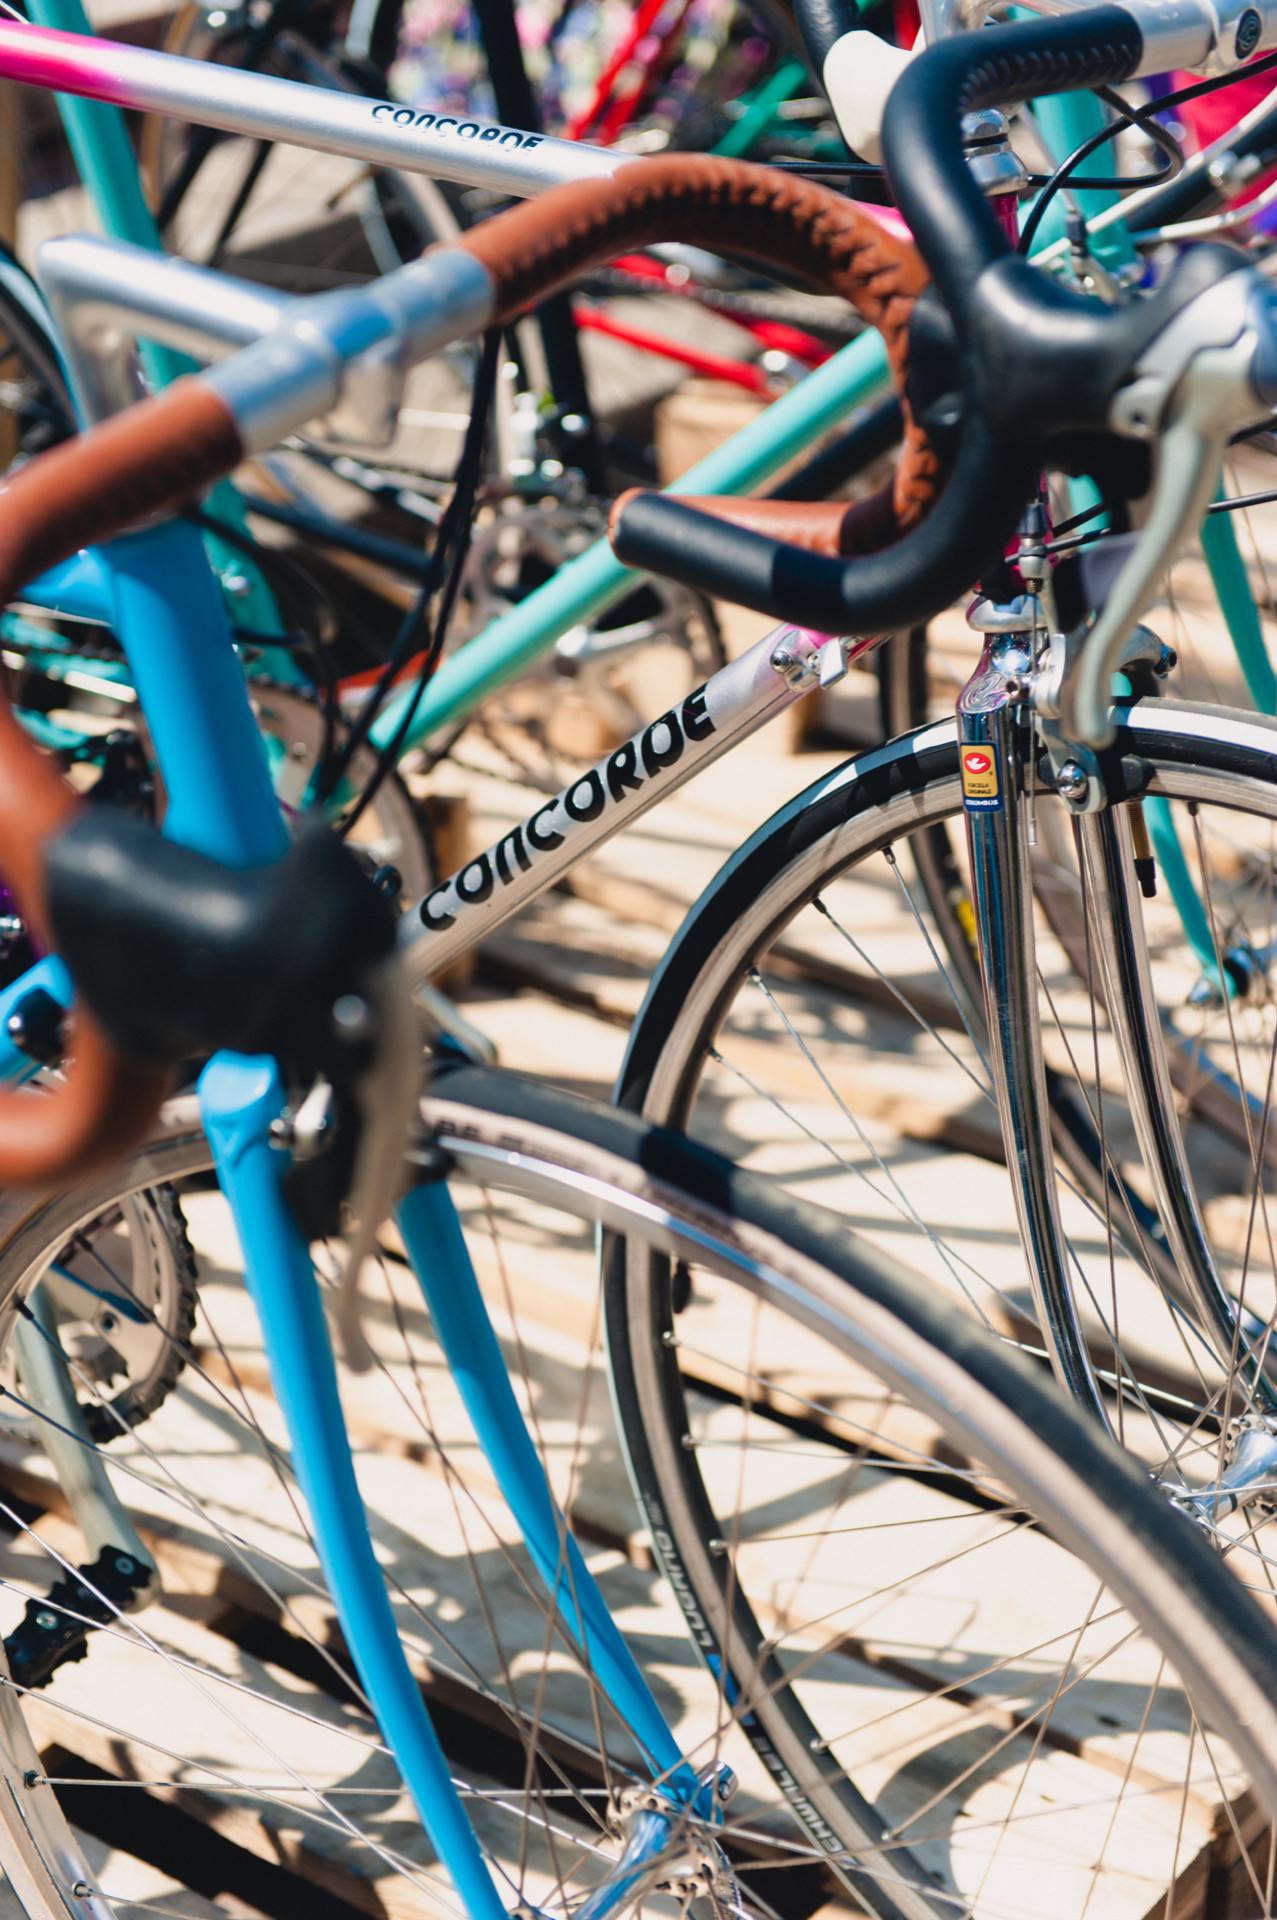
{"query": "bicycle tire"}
(514, 1139)
(693, 1061)
(36, 392)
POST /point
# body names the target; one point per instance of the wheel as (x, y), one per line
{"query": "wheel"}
(217, 1743)
(808, 1018)
(129, 1345)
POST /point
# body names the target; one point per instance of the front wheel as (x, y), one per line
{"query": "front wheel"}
(809, 1014)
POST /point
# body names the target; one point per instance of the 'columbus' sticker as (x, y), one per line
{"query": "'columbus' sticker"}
(980, 789)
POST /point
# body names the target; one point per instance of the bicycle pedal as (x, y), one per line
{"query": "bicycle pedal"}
(55, 1630)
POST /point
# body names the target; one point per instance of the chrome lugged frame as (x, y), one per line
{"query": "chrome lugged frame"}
(992, 717)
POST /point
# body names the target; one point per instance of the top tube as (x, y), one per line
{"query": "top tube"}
(474, 153)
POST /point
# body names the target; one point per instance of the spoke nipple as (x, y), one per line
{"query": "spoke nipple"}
(818, 1745)
(717, 1545)
(82, 1890)
(688, 1443)
(33, 1777)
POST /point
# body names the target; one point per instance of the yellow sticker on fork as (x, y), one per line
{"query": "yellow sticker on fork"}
(981, 791)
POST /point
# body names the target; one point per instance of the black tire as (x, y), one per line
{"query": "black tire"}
(519, 1140)
(498, 1112)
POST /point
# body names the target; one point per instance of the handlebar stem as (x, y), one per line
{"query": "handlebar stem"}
(344, 355)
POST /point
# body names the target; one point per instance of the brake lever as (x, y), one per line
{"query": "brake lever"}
(1213, 372)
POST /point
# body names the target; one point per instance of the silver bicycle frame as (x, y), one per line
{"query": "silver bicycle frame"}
(778, 670)
(473, 153)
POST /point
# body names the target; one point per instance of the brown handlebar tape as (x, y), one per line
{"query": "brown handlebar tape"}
(734, 207)
(87, 490)
(834, 527)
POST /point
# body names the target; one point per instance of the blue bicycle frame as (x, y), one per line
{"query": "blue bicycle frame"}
(162, 599)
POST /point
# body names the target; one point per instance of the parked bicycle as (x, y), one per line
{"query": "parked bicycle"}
(293, 957)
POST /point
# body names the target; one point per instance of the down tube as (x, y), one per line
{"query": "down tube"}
(239, 1098)
(437, 1250)
(596, 579)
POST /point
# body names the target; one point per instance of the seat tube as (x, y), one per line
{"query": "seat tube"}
(993, 748)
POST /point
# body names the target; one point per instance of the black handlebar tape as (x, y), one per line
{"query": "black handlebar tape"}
(954, 227)
(962, 537)
(822, 23)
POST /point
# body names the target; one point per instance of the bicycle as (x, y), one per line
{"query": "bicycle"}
(576, 594)
(176, 955)
(1083, 1142)
(1089, 1155)
(668, 625)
